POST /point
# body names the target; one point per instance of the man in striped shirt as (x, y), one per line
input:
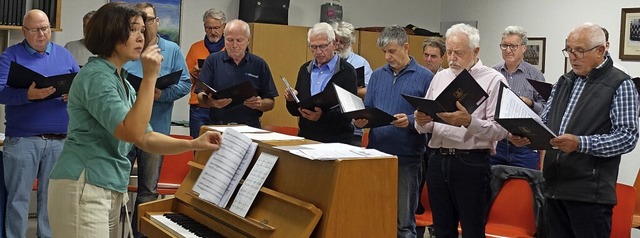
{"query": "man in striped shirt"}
(517, 71)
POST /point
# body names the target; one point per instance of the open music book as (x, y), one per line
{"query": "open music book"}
(353, 107)
(543, 88)
(161, 83)
(22, 77)
(325, 100)
(225, 168)
(238, 93)
(515, 116)
(252, 184)
(463, 88)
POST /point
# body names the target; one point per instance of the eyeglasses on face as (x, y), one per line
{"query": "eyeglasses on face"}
(43, 29)
(576, 53)
(510, 46)
(212, 28)
(151, 19)
(321, 47)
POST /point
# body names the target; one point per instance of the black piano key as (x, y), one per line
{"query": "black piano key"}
(192, 225)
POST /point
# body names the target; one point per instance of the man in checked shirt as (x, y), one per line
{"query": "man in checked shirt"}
(594, 110)
(517, 71)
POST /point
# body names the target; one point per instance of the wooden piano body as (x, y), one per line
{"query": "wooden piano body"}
(355, 198)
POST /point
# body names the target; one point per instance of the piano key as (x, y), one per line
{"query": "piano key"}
(183, 226)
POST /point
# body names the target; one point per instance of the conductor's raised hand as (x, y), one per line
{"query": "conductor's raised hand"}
(421, 118)
(458, 118)
(401, 121)
(34, 93)
(209, 140)
(151, 60)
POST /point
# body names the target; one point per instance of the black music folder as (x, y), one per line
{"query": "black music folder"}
(325, 100)
(353, 107)
(200, 63)
(516, 117)
(360, 76)
(238, 93)
(543, 88)
(463, 88)
(22, 77)
(161, 83)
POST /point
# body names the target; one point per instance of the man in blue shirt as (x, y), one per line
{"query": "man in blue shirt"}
(233, 66)
(35, 130)
(149, 164)
(401, 75)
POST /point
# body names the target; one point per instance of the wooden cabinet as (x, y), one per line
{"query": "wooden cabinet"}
(53, 8)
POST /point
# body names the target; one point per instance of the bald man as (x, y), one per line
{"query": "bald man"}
(35, 130)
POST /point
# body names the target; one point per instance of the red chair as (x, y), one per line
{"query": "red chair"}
(512, 213)
(623, 211)
(293, 131)
(426, 218)
(173, 171)
(365, 138)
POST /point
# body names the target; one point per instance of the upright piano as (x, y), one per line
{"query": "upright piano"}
(354, 197)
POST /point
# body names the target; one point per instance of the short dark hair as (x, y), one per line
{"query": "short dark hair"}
(109, 26)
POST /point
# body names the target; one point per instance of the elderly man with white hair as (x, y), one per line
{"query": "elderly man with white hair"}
(459, 172)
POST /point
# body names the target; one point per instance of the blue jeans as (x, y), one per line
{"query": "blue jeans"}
(459, 192)
(27, 158)
(409, 177)
(198, 116)
(577, 219)
(148, 174)
(509, 154)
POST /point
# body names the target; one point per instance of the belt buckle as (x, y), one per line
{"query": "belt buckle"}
(447, 151)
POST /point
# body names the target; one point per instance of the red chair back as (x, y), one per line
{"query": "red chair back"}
(293, 131)
(174, 167)
(512, 214)
(623, 211)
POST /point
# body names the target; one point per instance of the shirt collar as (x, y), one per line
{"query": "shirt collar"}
(32, 51)
(331, 64)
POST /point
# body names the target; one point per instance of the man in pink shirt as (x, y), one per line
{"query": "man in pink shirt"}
(458, 174)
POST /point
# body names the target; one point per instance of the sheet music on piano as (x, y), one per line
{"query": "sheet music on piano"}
(225, 167)
(253, 183)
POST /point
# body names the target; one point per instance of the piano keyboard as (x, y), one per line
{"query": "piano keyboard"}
(183, 226)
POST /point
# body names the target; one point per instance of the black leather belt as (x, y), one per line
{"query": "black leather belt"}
(53, 136)
(452, 151)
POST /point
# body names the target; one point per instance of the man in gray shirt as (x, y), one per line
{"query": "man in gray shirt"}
(77, 47)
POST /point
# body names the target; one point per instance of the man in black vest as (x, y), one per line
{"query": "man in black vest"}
(581, 173)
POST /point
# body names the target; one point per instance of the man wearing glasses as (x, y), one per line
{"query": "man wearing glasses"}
(148, 169)
(35, 130)
(214, 21)
(517, 71)
(313, 77)
(594, 110)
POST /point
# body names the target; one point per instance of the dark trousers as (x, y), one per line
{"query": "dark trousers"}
(458, 187)
(509, 154)
(565, 219)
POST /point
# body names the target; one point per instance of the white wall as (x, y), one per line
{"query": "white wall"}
(553, 20)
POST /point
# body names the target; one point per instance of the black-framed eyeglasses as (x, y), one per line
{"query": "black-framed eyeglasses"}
(510, 46)
(151, 19)
(576, 53)
(321, 47)
(43, 29)
(212, 28)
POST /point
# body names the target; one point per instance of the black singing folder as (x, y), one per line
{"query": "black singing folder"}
(22, 77)
(360, 76)
(238, 93)
(543, 88)
(463, 88)
(161, 83)
(517, 118)
(353, 107)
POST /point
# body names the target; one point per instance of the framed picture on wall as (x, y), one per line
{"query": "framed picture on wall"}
(536, 52)
(168, 13)
(630, 34)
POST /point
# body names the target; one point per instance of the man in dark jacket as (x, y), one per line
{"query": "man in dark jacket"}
(581, 173)
(316, 75)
